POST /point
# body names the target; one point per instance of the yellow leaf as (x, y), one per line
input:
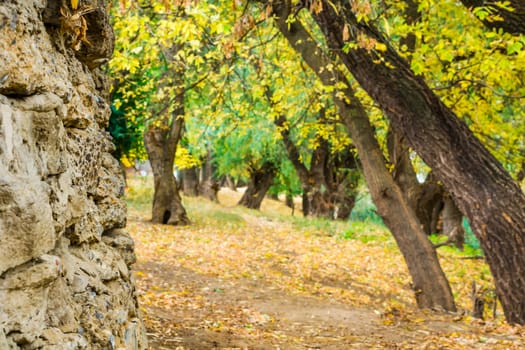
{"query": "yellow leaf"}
(381, 47)
(74, 4)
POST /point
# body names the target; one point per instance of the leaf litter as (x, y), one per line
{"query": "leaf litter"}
(266, 283)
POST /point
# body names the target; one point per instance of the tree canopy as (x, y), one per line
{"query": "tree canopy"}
(448, 77)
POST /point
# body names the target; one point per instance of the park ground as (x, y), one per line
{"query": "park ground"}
(245, 279)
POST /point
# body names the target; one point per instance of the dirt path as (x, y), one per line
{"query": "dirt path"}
(261, 285)
(272, 318)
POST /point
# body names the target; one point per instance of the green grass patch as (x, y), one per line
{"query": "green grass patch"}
(321, 226)
(468, 250)
(204, 212)
(366, 232)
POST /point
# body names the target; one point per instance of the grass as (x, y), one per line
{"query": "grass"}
(139, 192)
(364, 224)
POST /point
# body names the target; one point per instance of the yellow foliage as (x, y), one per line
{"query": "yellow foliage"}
(184, 160)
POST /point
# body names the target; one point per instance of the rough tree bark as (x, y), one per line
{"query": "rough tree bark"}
(260, 181)
(161, 139)
(483, 190)
(431, 287)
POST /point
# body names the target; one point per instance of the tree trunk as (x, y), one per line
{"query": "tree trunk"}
(289, 202)
(483, 190)
(190, 182)
(209, 187)
(429, 204)
(329, 187)
(424, 198)
(402, 169)
(161, 144)
(429, 282)
(273, 196)
(230, 183)
(260, 181)
(453, 222)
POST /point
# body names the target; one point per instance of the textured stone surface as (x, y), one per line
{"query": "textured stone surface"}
(65, 259)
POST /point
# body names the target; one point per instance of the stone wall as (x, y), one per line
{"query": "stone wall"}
(65, 280)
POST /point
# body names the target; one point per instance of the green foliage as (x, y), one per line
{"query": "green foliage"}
(161, 53)
(468, 249)
(127, 137)
(286, 181)
(470, 239)
(365, 210)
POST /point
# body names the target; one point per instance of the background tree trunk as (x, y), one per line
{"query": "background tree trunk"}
(482, 189)
(429, 282)
(209, 186)
(453, 222)
(190, 182)
(289, 202)
(329, 186)
(425, 199)
(161, 143)
(260, 181)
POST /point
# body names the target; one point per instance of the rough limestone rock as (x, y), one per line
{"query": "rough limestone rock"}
(65, 277)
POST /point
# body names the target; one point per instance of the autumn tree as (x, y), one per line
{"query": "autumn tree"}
(260, 103)
(172, 46)
(310, 128)
(429, 282)
(484, 191)
(138, 51)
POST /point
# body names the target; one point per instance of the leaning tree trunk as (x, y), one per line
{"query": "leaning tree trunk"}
(161, 144)
(430, 285)
(260, 181)
(483, 190)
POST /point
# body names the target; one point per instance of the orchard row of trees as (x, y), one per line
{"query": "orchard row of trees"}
(311, 96)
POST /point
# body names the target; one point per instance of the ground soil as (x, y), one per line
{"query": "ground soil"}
(186, 304)
(304, 322)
